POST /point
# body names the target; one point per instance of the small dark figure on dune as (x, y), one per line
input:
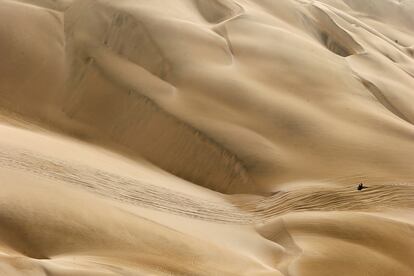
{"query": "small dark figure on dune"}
(361, 187)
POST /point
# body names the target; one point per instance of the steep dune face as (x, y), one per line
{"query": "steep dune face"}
(172, 120)
(206, 72)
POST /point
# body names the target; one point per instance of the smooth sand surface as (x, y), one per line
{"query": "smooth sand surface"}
(206, 137)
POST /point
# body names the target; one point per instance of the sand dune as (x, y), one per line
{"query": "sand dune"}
(206, 137)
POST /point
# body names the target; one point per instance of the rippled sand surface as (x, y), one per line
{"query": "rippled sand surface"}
(206, 137)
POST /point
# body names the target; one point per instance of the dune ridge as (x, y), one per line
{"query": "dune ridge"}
(231, 210)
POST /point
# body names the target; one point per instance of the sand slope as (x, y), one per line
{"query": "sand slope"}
(206, 137)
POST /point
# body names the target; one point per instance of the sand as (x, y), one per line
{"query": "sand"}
(206, 137)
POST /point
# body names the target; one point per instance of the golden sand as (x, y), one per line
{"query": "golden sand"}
(206, 137)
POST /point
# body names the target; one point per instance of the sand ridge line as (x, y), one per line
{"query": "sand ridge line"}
(120, 188)
(139, 193)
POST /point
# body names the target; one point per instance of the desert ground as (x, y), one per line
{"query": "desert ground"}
(206, 137)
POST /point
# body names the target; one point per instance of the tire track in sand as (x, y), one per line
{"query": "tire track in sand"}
(232, 210)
